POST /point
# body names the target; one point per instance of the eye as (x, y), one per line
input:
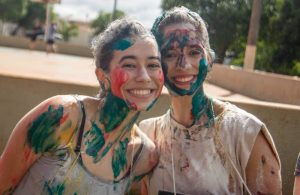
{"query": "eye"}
(195, 52)
(154, 66)
(129, 66)
(170, 55)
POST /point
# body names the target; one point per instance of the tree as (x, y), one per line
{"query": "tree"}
(286, 56)
(34, 11)
(67, 30)
(12, 10)
(103, 19)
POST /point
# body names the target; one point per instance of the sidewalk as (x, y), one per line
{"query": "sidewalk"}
(70, 69)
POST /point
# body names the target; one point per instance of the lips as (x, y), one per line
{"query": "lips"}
(184, 79)
(140, 92)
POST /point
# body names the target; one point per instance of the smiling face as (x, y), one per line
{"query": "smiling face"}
(135, 72)
(184, 59)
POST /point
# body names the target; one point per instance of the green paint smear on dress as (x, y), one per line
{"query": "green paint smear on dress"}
(122, 44)
(95, 140)
(41, 133)
(58, 189)
(119, 160)
(114, 111)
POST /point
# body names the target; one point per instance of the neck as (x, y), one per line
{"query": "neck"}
(187, 110)
(115, 114)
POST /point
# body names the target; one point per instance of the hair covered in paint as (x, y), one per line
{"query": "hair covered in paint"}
(183, 15)
(118, 31)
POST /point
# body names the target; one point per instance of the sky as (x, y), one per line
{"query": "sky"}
(85, 10)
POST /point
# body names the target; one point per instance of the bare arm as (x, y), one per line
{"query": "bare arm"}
(297, 186)
(297, 177)
(263, 169)
(46, 126)
(144, 186)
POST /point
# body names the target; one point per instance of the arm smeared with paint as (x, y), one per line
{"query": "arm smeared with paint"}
(263, 169)
(297, 177)
(46, 127)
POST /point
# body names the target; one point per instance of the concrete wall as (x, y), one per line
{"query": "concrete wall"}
(62, 47)
(19, 95)
(257, 84)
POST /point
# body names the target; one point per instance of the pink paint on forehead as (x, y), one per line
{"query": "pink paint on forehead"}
(118, 78)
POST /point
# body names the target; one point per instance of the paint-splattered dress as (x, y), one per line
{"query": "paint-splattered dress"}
(61, 172)
(202, 155)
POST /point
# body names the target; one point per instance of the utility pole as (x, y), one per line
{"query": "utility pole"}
(114, 11)
(250, 53)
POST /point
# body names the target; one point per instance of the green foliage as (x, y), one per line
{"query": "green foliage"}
(34, 11)
(67, 30)
(12, 10)
(101, 22)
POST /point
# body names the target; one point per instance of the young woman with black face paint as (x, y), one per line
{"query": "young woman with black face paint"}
(205, 146)
(71, 144)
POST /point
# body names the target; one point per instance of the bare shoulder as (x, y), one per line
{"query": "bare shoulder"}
(146, 156)
(263, 172)
(218, 106)
(47, 126)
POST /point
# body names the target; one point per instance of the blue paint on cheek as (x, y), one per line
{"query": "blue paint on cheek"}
(122, 44)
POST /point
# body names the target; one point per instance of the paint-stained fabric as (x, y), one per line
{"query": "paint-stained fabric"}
(201, 154)
(61, 172)
(297, 169)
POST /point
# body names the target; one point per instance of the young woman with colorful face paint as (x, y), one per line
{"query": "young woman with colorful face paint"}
(84, 145)
(206, 146)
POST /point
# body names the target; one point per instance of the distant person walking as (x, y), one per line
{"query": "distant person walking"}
(35, 32)
(297, 177)
(50, 39)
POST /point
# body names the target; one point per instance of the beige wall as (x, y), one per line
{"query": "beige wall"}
(64, 48)
(19, 95)
(257, 84)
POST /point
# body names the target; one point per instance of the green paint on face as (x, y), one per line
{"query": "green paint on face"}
(41, 133)
(114, 111)
(122, 44)
(203, 68)
(95, 140)
(119, 160)
(58, 189)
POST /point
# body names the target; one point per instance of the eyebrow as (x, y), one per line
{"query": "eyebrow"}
(127, 57)
(154, 58)
(134, 58)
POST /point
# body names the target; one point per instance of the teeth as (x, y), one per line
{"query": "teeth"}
(140, 91)
(184, 79)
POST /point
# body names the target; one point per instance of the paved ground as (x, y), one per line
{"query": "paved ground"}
(69, 69)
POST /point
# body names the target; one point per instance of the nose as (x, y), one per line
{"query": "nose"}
(143, 75)
(182, 63)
